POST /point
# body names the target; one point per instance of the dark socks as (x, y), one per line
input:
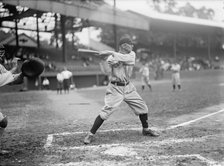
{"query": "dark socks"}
(150, 87)
(174, 87)
(179, 87)
(144, 120)
(98, 122)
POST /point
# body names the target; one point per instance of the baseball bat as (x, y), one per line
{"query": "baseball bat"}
(88, 51)
(101, 54)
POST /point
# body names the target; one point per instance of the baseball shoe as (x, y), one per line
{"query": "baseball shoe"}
(88, 139)
(149, 132)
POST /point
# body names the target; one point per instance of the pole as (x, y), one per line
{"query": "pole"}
(175, 47)
(17, 36)
(56, 29)
(38, 35)
(209, 48)
(63, 38)
(114, 26)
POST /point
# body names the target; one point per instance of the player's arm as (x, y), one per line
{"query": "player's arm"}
(128, 59)
(105, 54)
(140, 70)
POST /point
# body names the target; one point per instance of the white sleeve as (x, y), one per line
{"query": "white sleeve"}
(6, 78)
(70, 74)
(126, 58)
(111, 60)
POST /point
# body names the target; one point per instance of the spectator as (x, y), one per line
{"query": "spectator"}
(46, 83)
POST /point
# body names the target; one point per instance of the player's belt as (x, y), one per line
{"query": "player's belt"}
(119, 83)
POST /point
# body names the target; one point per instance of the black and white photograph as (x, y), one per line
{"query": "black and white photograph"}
(111, 83)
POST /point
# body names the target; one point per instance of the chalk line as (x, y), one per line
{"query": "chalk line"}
(195, 120)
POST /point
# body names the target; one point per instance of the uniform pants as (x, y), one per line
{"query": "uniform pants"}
(116, 94)
(145, 80)
(176, 78)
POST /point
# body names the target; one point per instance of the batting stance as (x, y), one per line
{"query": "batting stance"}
(121, 89)
(175, 68)
(7, 77)
(144, 70)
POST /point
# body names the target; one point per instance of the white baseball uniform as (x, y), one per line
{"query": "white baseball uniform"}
(144, 70)
(175, 68)
(120, 88)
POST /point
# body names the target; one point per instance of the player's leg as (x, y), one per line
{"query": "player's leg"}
(178, 81)
(143, 83)
(58, 87)
(148, 83)
(173, 82)
(135, 101)
(150, 87)
(143, 87)
(112, 100)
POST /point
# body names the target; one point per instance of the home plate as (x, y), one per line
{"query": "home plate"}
(120, 151)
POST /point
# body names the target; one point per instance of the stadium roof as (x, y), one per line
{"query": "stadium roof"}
(94, 11)
(189, 20)
(174, 23)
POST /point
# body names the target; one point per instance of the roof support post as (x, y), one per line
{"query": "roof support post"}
(56, 29)
(175, 47)
(115, 27)
(63, 31)
(38, 35)
(17, 37)
(209, 47)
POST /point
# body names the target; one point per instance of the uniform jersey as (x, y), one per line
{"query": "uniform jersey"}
(60, 77)
(46, 82)
(144, 70)
(66, 74)
(175, 68)
(121, 66)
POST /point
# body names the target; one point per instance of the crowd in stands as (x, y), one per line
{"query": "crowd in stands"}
(159, 61)
(158, 64)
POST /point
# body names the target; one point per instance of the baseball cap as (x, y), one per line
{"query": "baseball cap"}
(125, 40)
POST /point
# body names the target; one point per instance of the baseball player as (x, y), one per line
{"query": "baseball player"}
(67, 76)
(144, 70)
(175, 68)
(59, 83)
(121, 89)
(7, 77)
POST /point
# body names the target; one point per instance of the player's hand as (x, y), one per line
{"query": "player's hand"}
(105, 54)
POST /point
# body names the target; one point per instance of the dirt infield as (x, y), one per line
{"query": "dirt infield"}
(48, 129)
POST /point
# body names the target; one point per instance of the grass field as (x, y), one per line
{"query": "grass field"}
(48, 129)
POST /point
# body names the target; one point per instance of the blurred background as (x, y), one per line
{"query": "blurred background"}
(62, 33)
